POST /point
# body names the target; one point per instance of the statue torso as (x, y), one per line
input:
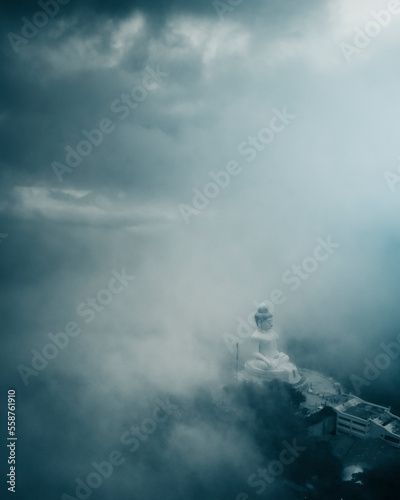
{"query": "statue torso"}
(267, 343)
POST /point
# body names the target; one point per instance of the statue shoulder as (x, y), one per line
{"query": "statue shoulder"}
(268, 336)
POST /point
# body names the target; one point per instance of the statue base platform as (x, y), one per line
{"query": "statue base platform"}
(254, 371)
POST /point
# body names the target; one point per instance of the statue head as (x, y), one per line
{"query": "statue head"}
(263, 318)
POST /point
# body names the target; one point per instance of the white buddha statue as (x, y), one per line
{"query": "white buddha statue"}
(268, 363)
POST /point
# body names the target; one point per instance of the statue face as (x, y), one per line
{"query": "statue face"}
(266, 324)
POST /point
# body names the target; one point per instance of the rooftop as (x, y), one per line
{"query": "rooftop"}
(390, 423)
(365, 411)
(318, 417)
(368, 411)
(395, 427)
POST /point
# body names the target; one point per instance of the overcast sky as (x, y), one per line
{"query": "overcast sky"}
(200, 83)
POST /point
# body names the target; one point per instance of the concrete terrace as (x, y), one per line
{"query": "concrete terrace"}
(322, 391)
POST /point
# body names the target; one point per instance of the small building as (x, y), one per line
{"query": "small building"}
(367, 420)
(322, 422)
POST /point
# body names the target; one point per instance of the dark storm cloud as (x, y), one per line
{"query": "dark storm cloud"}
(120, 9)
(156, 9)
(62, 82)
